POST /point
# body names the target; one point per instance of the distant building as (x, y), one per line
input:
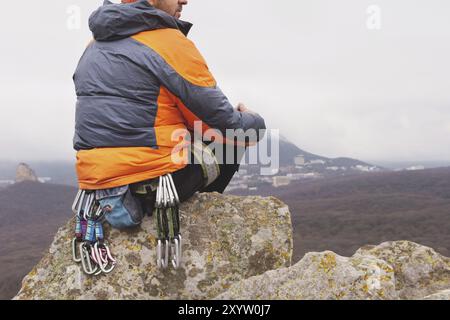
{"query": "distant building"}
(317, 161)
(237, 187)
(243, 172)
(365, 168)
(280, 181)
(273, 171)
(415, 168)
(303, 176)
(296, 176)
(265, 179)
(4, 183)
(299, 161)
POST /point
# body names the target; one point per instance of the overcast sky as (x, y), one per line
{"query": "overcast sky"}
(336, 77)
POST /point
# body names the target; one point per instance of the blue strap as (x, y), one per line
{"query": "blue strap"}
(90, 232)
(99, 231)
(78, 225)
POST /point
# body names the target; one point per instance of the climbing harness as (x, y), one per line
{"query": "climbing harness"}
(89, 246)
(167, 217)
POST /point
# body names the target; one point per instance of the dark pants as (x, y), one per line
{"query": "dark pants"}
(190, 179)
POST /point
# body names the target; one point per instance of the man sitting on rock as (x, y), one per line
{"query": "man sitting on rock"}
(139, 83)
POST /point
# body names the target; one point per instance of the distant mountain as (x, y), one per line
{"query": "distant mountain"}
(343, 213)
(292, 156)
(289, 151)
(30, 215)
(56, 172)
(405, 165)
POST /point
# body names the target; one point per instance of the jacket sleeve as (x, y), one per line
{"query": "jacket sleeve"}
(180, 67)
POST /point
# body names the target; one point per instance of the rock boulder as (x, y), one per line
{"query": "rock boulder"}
(392, 270)
(25, 173)
(226, 239)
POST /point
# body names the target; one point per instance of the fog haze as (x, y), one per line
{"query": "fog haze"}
(312, 68)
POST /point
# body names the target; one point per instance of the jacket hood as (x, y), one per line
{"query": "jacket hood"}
(118, 21)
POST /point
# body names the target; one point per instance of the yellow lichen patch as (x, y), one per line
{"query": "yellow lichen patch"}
(286, 255)
(25, 289)
(365, 288)
(327, 263)
(133, 247)
(150, 269)
(152, 240)
(226, 285)
(88, 282)
(386, 268)
(209, 258)
(33, 272)
(331, 283)
(340, 295)
(386, 278)
(430, 259)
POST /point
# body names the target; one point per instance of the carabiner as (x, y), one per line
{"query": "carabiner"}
(75, 256)
(173, 253)
(99, 213)
(176, 252)
(89, 204)
(109, 255)
(99, 258)
(166, 258)
(162, 259)
(170, 195)
(159, 194)
(79, 207)
(164, 191)
(175, 192)
(104, 258)
(75, 202)
(159, 254)
(86, 259)
(180, 250)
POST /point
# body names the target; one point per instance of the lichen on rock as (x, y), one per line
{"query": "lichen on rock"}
(391, 270)
(226, 239)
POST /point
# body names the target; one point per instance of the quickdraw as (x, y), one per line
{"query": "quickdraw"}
(167, 216)
(89, 246)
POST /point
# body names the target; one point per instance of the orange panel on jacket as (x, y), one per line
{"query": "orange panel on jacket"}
(104, 168)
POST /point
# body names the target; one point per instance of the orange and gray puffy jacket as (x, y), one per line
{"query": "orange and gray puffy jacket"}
(137, 82)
